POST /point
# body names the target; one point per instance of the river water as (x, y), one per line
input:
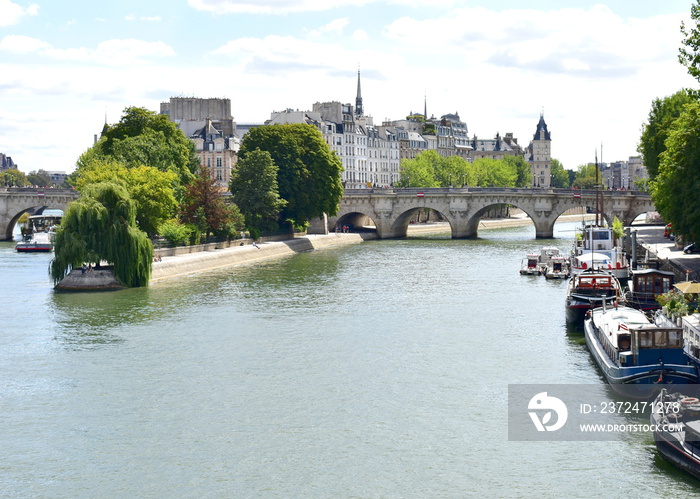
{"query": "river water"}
(375, 370)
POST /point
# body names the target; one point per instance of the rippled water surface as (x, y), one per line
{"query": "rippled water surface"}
(376, 370)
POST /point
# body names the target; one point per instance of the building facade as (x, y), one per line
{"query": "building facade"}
(540, 155)
(209, 124)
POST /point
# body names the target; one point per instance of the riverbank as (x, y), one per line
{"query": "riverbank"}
(175, 266)
(182, 264)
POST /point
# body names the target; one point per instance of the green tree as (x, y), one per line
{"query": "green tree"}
(254, 189)
(560, 176)
(521, 168)
(420, 171)
(204, 206)
(152, 189)
(143, 137)
(654, 133)
(13, 178)
(39, 178)
(101, 226)
(689, 53)
(309, 171)
(675, 189)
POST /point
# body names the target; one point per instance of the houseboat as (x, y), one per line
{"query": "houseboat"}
(632, 350)
(594, 247)
(587, 290)
(675, 422)
(645, 285)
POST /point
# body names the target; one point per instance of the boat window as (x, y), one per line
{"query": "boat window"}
(675, 339)
(660, 339)
(623, 342)
(645, 339)
(601, 236)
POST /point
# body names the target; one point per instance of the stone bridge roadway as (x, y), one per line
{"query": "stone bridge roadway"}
(391, 210)
(16, 200)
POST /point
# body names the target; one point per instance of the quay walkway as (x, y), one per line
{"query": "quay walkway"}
(651, 244)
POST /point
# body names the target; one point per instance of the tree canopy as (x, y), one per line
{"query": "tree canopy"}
(101, 226)
(205, 208)
(13, 178)
(308, 170)
(143, 137)
(654, 133)
(254, 188)
(152, 189)
(429, 169)
(675, 189)
(560, 176)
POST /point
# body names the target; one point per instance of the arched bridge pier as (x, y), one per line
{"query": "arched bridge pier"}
(17, 200)
(391, 210)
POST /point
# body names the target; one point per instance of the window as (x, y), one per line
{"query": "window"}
(218, 162)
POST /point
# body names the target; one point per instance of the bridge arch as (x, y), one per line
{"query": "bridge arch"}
(14, 201)
(463, 208)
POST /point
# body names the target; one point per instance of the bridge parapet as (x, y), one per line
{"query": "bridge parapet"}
(392, 209)
(17, 200)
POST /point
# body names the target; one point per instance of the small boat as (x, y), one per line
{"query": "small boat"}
(645, 285)
(37, 236)
(557, 268)
(530, 265)
(595, 248)
(38, 242)
(675, 422)
(632, 350)
(587, 290)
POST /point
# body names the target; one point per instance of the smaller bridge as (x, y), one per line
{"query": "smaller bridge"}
(17, 200)
(391, 210)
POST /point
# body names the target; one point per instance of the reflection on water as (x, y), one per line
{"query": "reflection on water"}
(379, 369)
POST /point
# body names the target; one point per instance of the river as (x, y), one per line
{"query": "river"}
(374, 370)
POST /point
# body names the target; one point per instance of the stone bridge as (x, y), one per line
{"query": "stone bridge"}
(391, 210)
(17, 200)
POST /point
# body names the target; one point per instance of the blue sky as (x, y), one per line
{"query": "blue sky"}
(593, 68)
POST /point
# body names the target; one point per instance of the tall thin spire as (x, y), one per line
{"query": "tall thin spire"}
(425, 107)
(358, 100)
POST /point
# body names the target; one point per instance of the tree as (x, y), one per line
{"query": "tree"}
(309, 172)
(101, 225)
(689, 53)
(39, 178)
(675, 189)
(421, 171)
(254, 189)
(204, 206)
(654, 133)
(560, 176)
(152, 189)
(13, 178)
(143, 137)
(522, 170)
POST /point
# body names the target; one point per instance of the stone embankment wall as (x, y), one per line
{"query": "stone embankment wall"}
(189, 263)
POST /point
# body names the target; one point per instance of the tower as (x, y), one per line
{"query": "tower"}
(541, 155)
(358, 100)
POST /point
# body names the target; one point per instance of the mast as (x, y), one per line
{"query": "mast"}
(597, 188)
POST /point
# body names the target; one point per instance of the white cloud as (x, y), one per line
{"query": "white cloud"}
(360, 35)
(335, 27)
(110, 53)
(20, 44)
(271, 6)
(134, 17)
(11, 13)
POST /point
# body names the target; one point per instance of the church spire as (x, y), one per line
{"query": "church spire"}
(358, 100)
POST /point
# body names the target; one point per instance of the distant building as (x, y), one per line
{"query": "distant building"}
(623, 174)
(209, 124)
(540, 155)
(6, 163)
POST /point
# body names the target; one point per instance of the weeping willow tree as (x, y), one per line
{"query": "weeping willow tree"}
(101, 226)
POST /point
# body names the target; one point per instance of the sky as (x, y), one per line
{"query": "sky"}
(591, 68)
